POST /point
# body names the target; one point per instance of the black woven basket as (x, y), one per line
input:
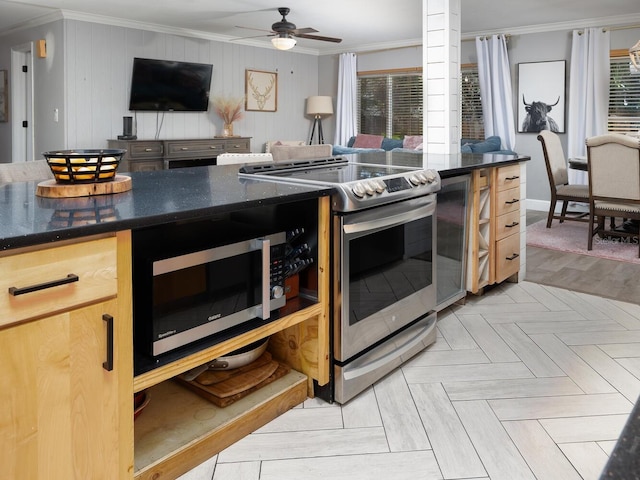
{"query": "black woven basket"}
(84, 166)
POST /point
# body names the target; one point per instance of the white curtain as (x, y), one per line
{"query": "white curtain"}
(495, 89)
(346, 103)
(588, 93)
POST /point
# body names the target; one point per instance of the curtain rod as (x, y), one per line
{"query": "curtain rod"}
(484, 37)
(612, 29)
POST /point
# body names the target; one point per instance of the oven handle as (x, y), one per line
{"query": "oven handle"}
(367, 368)
(405, 214)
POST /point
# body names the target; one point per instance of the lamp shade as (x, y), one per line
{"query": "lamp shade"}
(283, 42)
(319, 105)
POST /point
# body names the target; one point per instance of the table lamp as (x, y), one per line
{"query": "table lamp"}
(318, 106)
(634, 55)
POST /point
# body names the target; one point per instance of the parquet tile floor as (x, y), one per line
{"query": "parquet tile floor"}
(528, 381)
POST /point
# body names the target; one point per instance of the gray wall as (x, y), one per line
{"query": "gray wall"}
(87, 77)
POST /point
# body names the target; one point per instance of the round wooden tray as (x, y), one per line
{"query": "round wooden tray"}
(53, 189)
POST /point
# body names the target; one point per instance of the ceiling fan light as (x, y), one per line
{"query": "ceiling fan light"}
(283, 42)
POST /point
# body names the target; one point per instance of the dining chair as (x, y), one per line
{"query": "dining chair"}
(614, 183)
(233, 158)
(558, 175)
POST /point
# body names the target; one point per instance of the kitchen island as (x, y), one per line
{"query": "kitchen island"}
(70, 347)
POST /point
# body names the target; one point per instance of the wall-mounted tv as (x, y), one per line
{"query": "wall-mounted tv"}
(164, 85)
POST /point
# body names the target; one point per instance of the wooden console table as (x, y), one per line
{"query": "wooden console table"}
(144, 155)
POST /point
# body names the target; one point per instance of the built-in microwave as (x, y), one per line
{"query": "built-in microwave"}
(193, 282)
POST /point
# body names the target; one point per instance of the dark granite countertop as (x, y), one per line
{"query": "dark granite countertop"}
(181, 194)
(156, 197)
(448, 165)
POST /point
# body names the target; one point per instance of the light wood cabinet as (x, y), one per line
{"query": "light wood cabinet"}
(65, 388)
(67, 414)
(494, 226)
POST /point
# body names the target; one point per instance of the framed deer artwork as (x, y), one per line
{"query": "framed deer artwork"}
(541, 96)
(261, 91)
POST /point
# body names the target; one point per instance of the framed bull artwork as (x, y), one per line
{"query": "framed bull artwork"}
(541, 96)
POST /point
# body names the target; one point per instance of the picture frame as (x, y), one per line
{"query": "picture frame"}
(4, 96)
(261, 91)
(541, 96)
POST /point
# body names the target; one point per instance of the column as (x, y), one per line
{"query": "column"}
(441, 70)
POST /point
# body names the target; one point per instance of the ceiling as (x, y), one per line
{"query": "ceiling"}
(362, 24)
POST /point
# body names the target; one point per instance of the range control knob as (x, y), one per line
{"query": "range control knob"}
(380, 186)
(431, 176)
(370, 188)
(414, 179)
(277, 291)
(422, 177)
(358, 190)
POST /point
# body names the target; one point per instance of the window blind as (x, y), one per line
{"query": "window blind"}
(472, 121)
(390, 105)
(624, 96)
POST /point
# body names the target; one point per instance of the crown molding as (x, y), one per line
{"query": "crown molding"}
(604, 22)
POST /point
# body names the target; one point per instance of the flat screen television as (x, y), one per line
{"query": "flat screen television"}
(164, 85)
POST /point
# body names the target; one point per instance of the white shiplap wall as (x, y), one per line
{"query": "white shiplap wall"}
(98, 63)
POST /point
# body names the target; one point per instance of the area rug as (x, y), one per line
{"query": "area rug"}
(572, 237)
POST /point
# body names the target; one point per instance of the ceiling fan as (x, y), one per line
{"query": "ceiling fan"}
(283, 32)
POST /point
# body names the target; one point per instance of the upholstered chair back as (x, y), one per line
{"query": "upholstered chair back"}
(614, 166)
(554, 158)
(25, 171)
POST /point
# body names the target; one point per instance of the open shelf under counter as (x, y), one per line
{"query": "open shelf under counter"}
(166, 372)
(178, 429)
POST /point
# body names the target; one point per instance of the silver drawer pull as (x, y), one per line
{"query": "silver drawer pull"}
(514, 224)
(511, 202)
(70, 278)
(213, 147)
(184, 148)
(513, 256)
(148, 150)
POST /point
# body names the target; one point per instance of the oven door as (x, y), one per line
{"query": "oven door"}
(387, 272)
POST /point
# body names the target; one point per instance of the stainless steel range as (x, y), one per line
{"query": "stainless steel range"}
(383, 254)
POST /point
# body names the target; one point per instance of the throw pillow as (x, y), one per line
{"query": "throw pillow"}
(364, 140)
(413, 142)
(490, 144)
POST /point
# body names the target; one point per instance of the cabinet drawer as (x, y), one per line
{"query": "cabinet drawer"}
(240, 145)
(93, 262)
(194, 149)
(508, 201)
(508, 177)
(507, 257)
(507, 224)
(144, 149)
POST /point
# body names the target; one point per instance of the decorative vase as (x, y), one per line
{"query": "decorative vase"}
(227, 130)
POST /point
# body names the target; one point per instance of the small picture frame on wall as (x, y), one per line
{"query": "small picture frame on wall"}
(541, 96)
(4, 96)
(261, 91)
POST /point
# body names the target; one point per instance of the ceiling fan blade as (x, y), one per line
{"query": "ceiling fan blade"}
(252, 36)
(318, 37)
(252, 28)
(299, 31)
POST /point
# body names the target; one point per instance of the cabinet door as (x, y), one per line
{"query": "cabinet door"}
(60, 405)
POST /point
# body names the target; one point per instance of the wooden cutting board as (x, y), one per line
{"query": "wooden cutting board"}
(53, 189)
(205, 390)
(210, 377)
(243, 381)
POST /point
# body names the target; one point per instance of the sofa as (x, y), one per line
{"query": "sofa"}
(363, 143)
(283, 153)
